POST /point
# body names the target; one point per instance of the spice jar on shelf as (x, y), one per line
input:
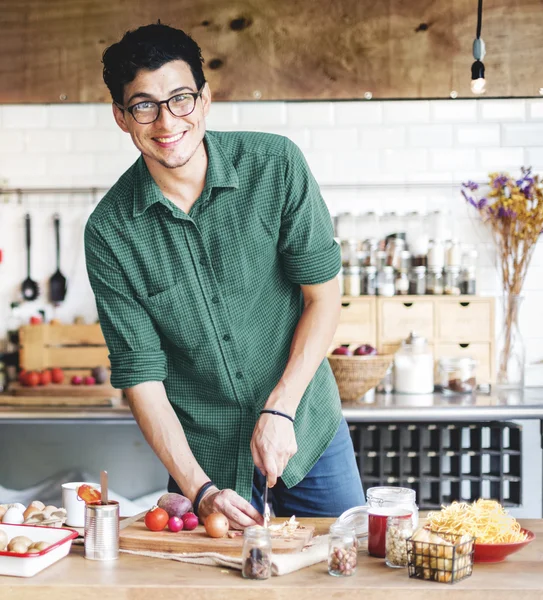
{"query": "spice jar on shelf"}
(369, 281)
(385, 282)
(342, 550)
(452, 281)
(434, 281)
(468, 281)
(399, 530)
(257, 553)
(417, 282)
(351, 281)
(401, 283)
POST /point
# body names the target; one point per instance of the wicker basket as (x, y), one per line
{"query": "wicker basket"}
(356, 375)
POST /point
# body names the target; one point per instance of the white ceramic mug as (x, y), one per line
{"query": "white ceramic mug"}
(75, 507)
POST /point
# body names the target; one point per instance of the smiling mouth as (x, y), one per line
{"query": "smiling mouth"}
(170, 139)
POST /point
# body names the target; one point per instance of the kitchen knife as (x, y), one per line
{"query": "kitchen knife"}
(131, 520)
(266, 506)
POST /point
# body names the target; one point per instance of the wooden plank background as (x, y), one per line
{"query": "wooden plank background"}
(280, 49)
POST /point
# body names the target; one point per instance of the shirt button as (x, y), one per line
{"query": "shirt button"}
(215, 300)
(239, 375)
(226, 337)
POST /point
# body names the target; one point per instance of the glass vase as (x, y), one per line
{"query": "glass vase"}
(512, 355)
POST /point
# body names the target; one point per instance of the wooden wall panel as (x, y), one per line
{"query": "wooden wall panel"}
(280, 49)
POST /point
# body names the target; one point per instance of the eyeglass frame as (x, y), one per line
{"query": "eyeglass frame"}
(130, 108)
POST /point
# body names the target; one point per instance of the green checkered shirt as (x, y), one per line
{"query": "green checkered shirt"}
(208, 301)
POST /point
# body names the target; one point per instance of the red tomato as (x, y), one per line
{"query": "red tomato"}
(45, 377)
(21, 376)
(35, 320)
(88, 493)
(156, 519)
(57, 375)
(32, 378)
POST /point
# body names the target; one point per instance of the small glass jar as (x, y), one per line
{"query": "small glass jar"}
(454, 253)
(256, 558)
(436, 254)
(452, 281)
(370, 248)
(385, 282)
(380, 259)
(399, 529)
(417, 282)
(401, 283)
(394, 497)
(351, 281)
(468, 281)
(369, 281)
(434, 281)
(457, 375)
(342, 550)
(414, 366)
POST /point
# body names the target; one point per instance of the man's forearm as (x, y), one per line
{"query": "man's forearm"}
(164, 433)
(312, 338)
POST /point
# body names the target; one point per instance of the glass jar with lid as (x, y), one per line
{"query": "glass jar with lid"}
(385, 281)
(389, 497)
(436, 254)
(417, 281)
(457, 375)
(351, 281)
(401, 283)
(468, 281)
(257, 553)
(414, 366)
(369, 281)
(399, 530)
(434, 281)
(452, 281)
(342, 550)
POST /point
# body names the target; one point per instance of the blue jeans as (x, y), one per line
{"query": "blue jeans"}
(331, 487)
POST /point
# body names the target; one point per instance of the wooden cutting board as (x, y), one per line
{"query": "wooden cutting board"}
(60, 394)
(138, 537)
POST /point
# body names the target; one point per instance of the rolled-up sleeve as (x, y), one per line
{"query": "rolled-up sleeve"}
(309, 252)
(132, 339)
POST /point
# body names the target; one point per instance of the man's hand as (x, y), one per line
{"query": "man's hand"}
(236, 509)
(273, 444)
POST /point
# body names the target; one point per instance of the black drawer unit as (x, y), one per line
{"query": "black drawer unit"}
(442, 462)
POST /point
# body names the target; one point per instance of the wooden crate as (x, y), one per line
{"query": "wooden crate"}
(76, 349)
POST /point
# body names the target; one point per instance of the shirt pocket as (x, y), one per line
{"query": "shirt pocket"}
(177, 316)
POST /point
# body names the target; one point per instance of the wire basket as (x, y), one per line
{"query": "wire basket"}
(447, 561)
(356, 375)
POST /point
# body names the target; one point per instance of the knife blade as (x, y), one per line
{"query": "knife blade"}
(266, 506)
(130, 520)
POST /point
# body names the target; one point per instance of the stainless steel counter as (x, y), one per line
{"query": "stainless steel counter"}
(438, 407)
(385, 407)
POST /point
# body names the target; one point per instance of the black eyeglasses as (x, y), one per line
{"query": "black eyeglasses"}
(179, 105)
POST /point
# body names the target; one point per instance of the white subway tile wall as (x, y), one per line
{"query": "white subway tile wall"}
(372, 144)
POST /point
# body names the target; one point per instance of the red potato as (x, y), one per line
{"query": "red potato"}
(175, 505)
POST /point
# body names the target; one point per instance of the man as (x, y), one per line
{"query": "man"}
(214, 268)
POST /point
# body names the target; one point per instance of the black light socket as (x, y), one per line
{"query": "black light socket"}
(477, 70)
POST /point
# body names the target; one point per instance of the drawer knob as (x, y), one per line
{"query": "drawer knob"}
(464, 345)
(408, 304)
(464, 304)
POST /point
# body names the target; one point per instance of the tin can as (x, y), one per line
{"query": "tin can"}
(102, 531)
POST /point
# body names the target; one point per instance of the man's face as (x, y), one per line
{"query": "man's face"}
(170, 141)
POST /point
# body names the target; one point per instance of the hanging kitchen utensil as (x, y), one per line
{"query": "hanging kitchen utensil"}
(29, 288)
(57, 282)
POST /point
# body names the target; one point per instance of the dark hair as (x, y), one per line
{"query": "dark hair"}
(149, 47)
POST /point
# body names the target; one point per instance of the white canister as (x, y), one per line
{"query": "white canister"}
(414, 367)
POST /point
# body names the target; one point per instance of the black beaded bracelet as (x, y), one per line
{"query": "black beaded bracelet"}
(277, 413)
(200, 495)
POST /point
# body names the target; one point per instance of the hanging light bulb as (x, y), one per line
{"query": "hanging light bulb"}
(478, 81)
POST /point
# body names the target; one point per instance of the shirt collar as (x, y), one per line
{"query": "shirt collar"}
(221, 173)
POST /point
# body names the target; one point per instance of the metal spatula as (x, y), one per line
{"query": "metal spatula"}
(29, 288)
(57, 282)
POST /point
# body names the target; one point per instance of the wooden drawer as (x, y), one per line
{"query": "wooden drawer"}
(482, 353)
(398, 317)
(465, 319)
(357, 322)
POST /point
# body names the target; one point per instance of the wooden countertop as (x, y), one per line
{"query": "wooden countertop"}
(140, 578)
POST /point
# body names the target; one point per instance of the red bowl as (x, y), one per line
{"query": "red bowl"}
(492, 553)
